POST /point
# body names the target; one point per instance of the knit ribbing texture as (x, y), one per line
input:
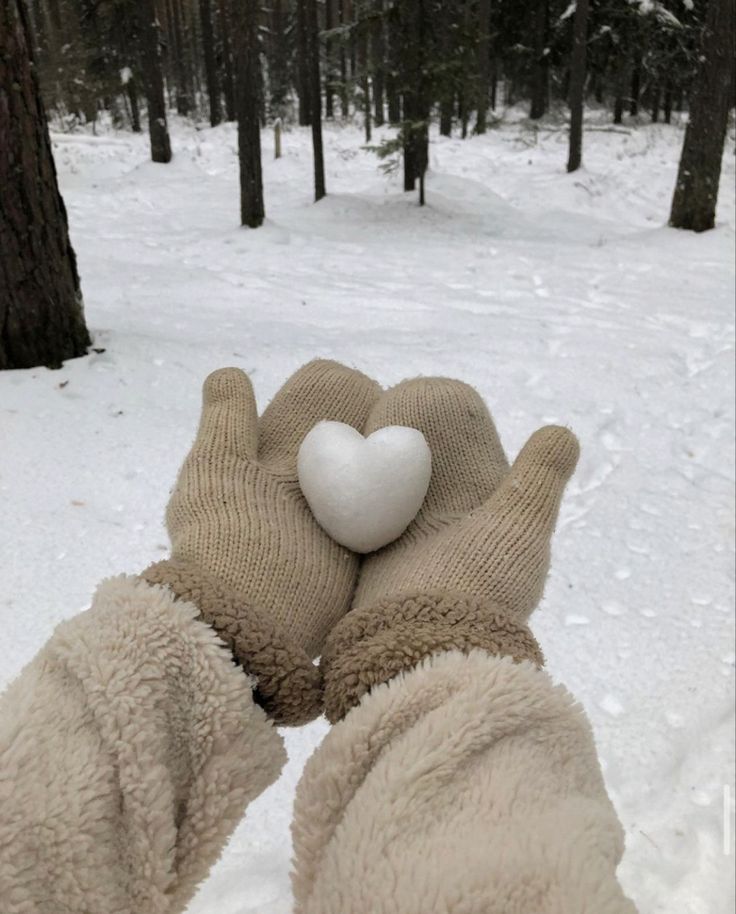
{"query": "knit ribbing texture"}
(482, 536)
(239, 523)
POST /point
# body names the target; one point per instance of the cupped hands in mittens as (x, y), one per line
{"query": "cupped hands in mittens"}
(470, 569)
(245, 548)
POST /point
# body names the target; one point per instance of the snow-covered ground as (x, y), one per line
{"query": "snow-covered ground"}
(562, 298)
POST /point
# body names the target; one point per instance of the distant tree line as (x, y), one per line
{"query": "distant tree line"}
(406, 63)
(472, 55)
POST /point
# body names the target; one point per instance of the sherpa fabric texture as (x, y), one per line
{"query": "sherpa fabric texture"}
(469, 785)
(288, 686)
(129, 749)
(471, 567)
(375, 643)
(237, 519)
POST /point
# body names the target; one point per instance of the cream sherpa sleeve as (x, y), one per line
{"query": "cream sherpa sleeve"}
(129, 749)
(469, 785)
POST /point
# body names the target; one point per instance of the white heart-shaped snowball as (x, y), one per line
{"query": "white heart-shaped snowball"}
(364, 491)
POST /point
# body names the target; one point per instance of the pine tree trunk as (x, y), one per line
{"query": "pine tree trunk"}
(315, 95)
(409, 57)
(350, 18)
(577, 85)
(344, 98)
(131, 91)
(278, 64)
(393, 66)
(539, 86)
(598, 88)
(463, 111)
(191, 43)
(41, 313)
(362, 53)
(153, 83)
(378, 58)
(446, 42)
(182, 63)
(228, 74)
(635, 89)
(329, 60)
(668, 102)
(622, 83)
(210, 65)
(446, 106)
(247, 65)
(484, 64)
(393, 101)
(415, 103)
(302, 87)
(698, 177)
(656, 98)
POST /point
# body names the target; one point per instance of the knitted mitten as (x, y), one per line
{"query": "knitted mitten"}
(245, 548)
(471, 567)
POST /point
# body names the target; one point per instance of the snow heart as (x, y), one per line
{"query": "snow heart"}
(364, 491)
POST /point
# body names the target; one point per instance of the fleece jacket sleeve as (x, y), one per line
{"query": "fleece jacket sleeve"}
(129, 749)
(469, 785)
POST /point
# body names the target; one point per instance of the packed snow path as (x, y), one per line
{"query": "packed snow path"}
(562, 298)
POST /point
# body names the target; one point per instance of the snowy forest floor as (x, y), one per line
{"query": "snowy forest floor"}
(562, 298)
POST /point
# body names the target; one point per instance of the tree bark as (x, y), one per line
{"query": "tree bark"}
(182, 63)
(344, 99)
(577, 84)
(484, 64)
(698, 177)
(463, 111)
(329, 60)
(41, 311)
(446, 109)
(635, 88)
(245, 22)
(656, 100)
(278, 64)
(153, 83)
(393, 65)
(303, 86)
(210, 65)
(668, 102)
(315, 95)
(622, 84)
(378, 58)
(414, 101)
(539, 87)
(446, 49)
(228, 81)
(362, 55)
(131, 91)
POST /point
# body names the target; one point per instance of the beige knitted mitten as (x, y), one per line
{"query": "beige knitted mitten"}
(471, 567)
(245, 548)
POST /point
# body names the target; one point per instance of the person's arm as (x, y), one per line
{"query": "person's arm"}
(131, 744)
(457, 778)
(129, 749)
(468, 785)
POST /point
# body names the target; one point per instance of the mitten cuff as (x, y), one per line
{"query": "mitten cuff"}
(288, 684)
(374, 644)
